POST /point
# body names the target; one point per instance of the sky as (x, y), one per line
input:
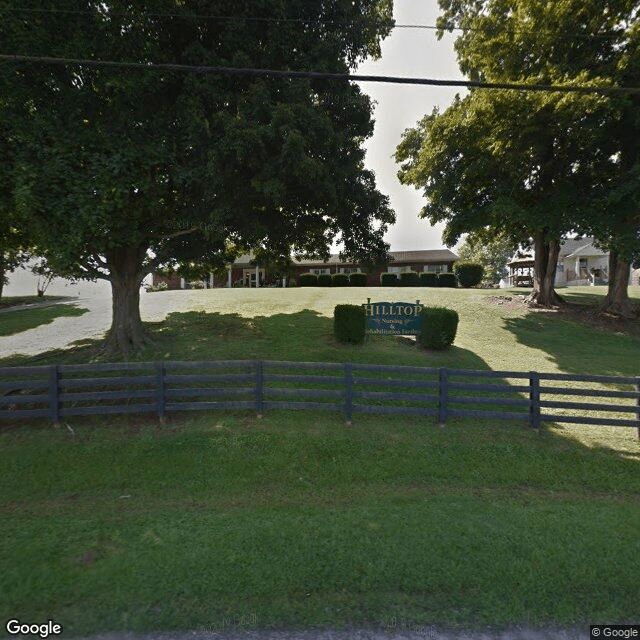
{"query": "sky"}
(408, 53)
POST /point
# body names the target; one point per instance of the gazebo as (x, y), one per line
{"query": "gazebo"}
(521, 271)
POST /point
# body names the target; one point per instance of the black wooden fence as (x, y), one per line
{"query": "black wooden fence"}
(62, 391)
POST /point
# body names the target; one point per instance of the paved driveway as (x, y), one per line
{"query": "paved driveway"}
(63, 331)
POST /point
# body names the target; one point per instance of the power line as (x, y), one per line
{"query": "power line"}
(226, 18)
(317, 75)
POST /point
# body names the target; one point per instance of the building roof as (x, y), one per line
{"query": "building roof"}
(423, 255)
(587, 250)
(426, 255)
(526, 261)
(569, 248)
(576, 247)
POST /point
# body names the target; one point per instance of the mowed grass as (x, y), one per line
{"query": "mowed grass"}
(223, 520)
(18, 320)
(19, 301)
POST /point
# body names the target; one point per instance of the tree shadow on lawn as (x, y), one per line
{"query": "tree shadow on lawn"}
(303, 336)
(19, 320)
(575, 347)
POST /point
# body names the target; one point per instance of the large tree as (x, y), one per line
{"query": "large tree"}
(506, 164)
(543, 164)
(13, 240)
(122, 170)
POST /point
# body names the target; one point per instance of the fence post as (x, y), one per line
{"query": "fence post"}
(161, 391)
(638, 404)
(534, 400)
(443, 393)
(348, 392)
(259, 386)
(54, 394)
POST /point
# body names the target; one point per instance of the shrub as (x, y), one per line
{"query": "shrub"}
(388, 279)
(349, 323)
(409, 279)
(429, 279)
(324, 280)
(468, 274)
(447, 280)
(291, 282)
(358, 279)
(308, 280)
(340, 280)
(439, 326)
(161, 286)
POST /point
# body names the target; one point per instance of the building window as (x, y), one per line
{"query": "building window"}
(435, 268)
(319, 272)
(400, 269)
(349, 270)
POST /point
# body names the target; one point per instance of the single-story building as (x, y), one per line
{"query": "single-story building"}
(245, 272)
(581, 263)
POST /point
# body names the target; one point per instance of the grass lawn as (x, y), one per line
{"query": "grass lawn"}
(222, 520)
(17, 320)
(18, 301)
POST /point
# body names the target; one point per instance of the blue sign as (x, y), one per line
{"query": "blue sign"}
(393, 318)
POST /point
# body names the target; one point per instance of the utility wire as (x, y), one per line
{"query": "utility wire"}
(224, 18)
(316, 75)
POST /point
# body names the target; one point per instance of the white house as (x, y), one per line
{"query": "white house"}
(579, 263)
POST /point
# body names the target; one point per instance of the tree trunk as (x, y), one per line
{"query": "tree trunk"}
(2, 272)
(617, 301)
(544, 272)
(126, 333)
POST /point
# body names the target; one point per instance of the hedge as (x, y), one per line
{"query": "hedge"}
(340, 280)
(447, 280)
(429, 279)
(439, 326)
(324, 280)
(349, 323)
(468, 274)
(388, 279)
(409, 279)
(358, 279)
(308, 280)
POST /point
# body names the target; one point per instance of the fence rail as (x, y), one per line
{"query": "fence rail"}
(60, 391)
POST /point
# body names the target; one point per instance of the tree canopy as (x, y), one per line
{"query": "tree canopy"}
(534, 165)
(121, 171)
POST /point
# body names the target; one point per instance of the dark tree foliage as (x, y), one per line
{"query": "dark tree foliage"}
(123, 171)
(534, 166)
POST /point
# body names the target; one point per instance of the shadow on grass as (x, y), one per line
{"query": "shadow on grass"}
(19, 320)
(575, 347)
(303, 336)
(9, 302)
